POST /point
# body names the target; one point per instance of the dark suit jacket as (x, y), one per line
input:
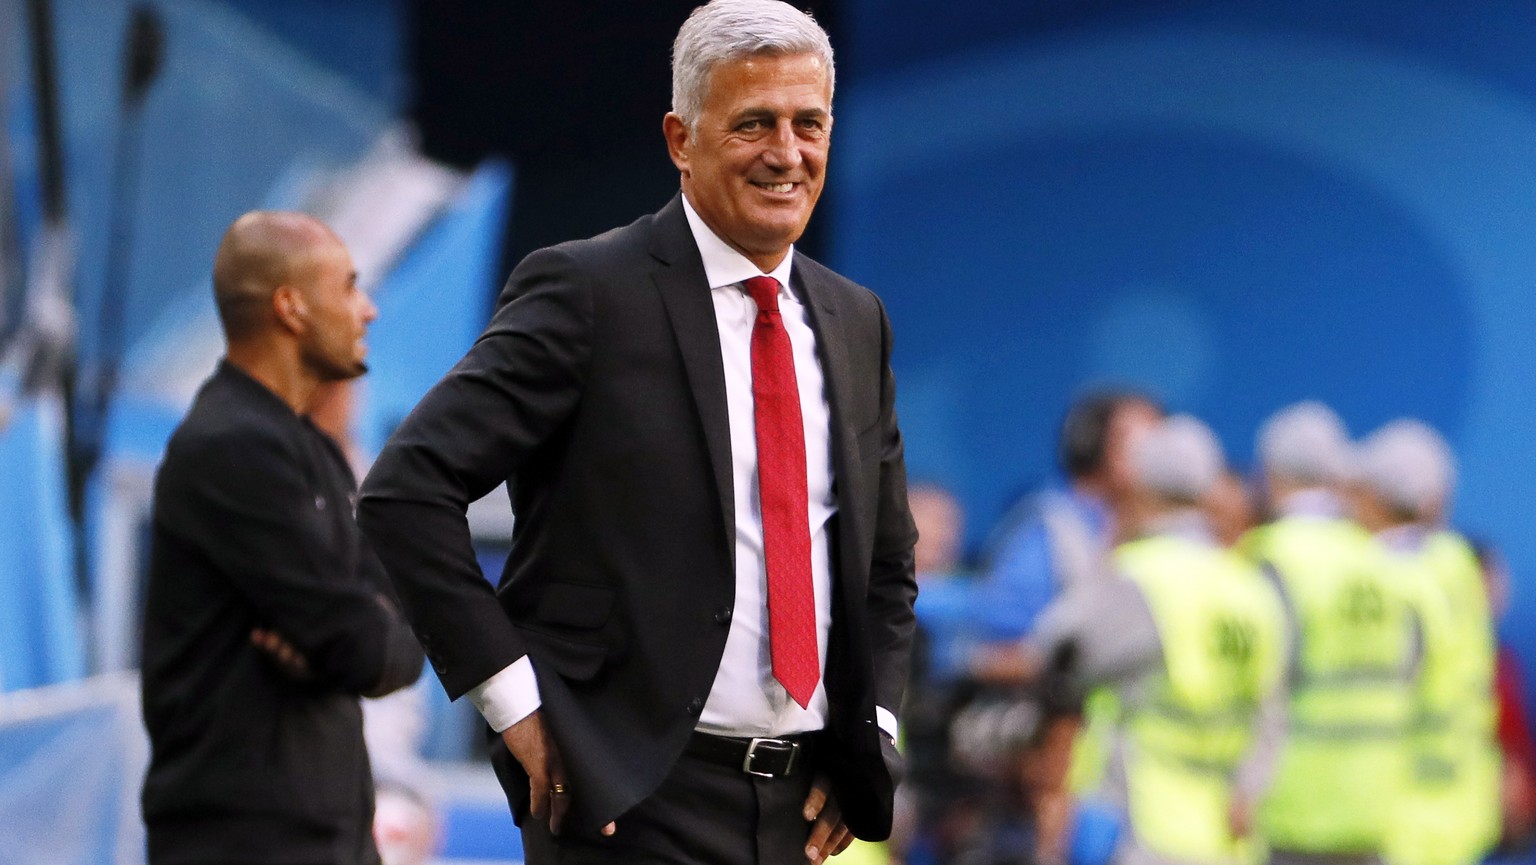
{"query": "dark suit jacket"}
(253, 528)
(598, 393)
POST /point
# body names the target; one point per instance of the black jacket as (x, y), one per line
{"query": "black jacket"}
(253, 527)
(598, 389)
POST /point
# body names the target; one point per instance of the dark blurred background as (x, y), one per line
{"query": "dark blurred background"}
(505, 79)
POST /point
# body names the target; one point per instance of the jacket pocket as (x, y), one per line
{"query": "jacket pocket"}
(575, 605)
(569, 631)
(576, 660)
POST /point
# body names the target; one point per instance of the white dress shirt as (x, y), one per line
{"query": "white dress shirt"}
(745, 699)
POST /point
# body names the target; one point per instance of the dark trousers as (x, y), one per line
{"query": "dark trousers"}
(703, 814)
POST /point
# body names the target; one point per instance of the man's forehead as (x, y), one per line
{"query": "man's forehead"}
(756, 76)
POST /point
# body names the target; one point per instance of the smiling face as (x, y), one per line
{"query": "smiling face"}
(754, 162)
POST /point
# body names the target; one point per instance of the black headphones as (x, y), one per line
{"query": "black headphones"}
(1085, 429)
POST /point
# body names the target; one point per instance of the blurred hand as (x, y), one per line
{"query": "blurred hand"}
(530, 742)
(829, 836)
(1005, 664)
(1043, 775)
(1240, 818)
(289, 660)
(1519, 801)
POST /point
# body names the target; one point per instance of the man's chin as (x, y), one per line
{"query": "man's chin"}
(347, 373)
(777, 234)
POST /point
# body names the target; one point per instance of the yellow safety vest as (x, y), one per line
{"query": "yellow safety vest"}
(1221, 629)
(1095, 739)
(1341, 771)
(1451, 811)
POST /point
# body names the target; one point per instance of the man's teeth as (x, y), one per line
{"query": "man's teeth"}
(777, 187)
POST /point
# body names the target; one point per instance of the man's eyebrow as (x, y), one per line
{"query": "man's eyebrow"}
(760, 111)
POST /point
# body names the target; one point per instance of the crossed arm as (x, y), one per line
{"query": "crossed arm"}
(245, 502)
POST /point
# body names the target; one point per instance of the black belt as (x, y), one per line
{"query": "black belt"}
(762, 756)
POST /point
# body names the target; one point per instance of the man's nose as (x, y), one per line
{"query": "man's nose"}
(370, 310)
(783, 151)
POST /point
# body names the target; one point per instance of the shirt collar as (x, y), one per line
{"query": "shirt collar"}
(260, 392)
(724, 266)
(1093, 509)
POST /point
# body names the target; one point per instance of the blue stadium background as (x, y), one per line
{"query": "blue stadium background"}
(1236, 205)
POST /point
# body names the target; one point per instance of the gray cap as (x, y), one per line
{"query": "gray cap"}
(1408, 465)
(1306, 442)
(1179, 459)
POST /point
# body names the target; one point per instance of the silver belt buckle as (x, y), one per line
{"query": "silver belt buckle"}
(789, 766)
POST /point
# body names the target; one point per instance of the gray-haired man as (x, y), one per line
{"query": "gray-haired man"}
(702, 631)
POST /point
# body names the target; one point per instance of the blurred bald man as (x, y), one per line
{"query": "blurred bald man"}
(266, 617)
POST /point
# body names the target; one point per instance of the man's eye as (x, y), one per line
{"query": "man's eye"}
(750, 125)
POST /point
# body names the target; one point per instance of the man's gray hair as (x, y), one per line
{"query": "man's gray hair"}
(1409, 465)
(726, 30)
(1180, 459)
(1307, 443)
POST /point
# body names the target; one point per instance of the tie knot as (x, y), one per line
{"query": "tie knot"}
(765, 293)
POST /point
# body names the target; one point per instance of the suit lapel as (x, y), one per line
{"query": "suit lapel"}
(680, 279)
(832, 348)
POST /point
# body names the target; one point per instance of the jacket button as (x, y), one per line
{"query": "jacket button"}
(696, 706)
(723, 616)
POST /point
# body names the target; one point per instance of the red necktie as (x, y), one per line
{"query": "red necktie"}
(781, 484)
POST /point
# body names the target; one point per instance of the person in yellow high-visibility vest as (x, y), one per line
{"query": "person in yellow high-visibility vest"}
(1352, 652)
(1189, 637)
(1450, 811)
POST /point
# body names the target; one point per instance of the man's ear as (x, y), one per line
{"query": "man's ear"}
(288, 306)
(675, 129)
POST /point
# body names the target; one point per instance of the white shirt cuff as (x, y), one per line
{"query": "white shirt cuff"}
(509, 696)
(886, 720)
